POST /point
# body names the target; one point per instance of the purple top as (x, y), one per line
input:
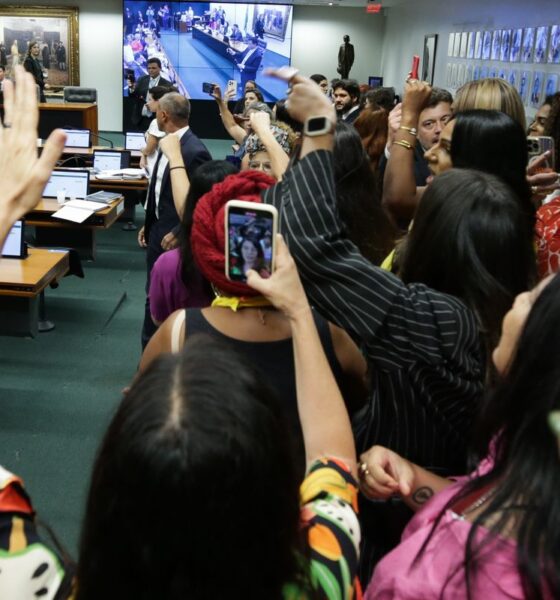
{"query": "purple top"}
(168, 293)
(440, 565)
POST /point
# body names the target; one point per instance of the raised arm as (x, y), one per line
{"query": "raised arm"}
(235, 131)
(22, 173)
(400, 194)
(260, 124)
(399, 324)
(170, 145)
(323, 416)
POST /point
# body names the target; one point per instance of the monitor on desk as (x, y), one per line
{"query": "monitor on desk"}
(77, 138)
(134, 140)
(15, 246)
(111, 160)
(74, 182)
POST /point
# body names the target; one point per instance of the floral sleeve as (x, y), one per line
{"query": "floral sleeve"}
(329, 500)
(28, 567)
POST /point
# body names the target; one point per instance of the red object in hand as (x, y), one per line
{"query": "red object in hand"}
(414, 69)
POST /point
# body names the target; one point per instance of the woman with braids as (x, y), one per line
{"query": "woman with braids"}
(244, 319)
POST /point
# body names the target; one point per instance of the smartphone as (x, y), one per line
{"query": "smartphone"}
(536, 145)
(414, 68)
(232, 86)
(207, 88)
(250, 236)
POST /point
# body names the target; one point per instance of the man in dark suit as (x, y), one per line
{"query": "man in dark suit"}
(141, 116)
(346, 95)
(248, 61)
(161, 228)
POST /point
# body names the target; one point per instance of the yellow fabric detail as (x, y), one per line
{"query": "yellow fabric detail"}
(236, 302)
(330, 481)
(17, 541)
(387, 264)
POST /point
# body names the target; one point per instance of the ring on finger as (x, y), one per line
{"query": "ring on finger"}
(534, 189)
(363, 470)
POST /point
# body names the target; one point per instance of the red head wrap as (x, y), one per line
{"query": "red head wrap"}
(208, 230)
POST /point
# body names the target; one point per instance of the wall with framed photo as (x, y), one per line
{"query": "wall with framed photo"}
(527, 57)
(56, 30)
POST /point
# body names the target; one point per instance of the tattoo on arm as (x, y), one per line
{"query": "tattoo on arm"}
(422, 495)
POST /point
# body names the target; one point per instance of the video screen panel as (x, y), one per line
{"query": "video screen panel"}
(208, 42)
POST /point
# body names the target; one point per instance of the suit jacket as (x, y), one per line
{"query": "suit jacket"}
(140, 94)
(253, 63)
(345, 56)
(194, 154)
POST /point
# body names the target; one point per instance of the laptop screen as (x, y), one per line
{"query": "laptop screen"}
(107, 160)
(13, 246)
(134, 140)
(77, 138)
(75, 183)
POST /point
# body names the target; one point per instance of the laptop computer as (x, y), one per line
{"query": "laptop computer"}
(15, 246)
(77, 138)
(110, 160)
(75, 183)
(134, 140)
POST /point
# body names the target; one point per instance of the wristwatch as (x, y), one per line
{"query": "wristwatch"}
(315, 126)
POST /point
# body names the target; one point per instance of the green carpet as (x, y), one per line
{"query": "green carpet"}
(59, 390)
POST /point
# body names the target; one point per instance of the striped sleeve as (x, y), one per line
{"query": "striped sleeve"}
(399, 324)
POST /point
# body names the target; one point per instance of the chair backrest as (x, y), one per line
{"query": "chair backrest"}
(80, 94)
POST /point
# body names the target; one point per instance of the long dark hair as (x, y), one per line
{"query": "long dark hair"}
(358, 196)
(552, 125)
(468, 240)
(194, 492)
(493, 142)
(526, 470)
(207, 174)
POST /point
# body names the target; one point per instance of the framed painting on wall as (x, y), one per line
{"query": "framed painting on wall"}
(429, 58)
(56, 30)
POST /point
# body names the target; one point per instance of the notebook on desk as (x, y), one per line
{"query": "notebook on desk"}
(74, 182)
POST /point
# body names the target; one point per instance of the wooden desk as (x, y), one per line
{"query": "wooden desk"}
(81, 236)
(118, 185)
(79, 115)
(21, 282)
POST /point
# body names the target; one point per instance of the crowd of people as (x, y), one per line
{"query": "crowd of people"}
(380, 416)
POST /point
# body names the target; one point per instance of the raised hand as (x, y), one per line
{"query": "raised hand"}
(22, 173)
(416, 95)
(283, 288)
(170, 145)
(259, 122)
(305, 97)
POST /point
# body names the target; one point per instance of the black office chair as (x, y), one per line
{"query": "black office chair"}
(80, 94)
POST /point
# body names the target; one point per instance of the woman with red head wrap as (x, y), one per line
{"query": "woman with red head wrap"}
(246, 320)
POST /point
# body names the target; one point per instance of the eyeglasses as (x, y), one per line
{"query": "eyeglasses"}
(431, 123)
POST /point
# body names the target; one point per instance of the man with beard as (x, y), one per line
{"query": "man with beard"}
(346, 95)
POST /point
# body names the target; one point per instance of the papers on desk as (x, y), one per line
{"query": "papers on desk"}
(78, 211)
(121, 174)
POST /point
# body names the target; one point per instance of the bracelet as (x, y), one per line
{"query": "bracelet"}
(171, 169)
(403, 144)
(412, 130)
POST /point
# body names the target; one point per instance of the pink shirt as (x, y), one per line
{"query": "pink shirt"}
(439, 567)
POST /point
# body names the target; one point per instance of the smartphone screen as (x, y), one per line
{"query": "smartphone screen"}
(250, 234)
(207, 88)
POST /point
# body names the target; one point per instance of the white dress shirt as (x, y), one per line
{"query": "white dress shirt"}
(163, 162)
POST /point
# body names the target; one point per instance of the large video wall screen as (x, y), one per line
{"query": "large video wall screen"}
(206, 42)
